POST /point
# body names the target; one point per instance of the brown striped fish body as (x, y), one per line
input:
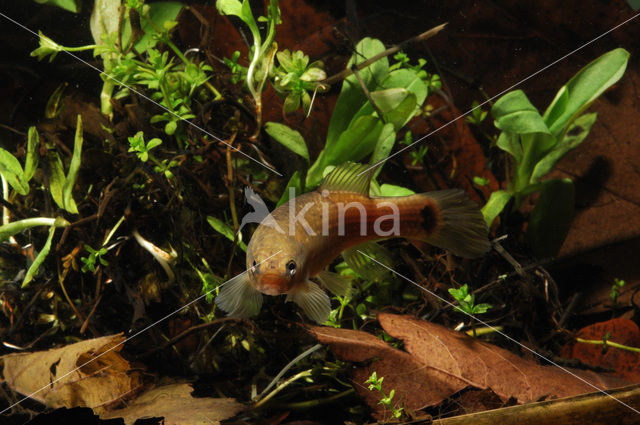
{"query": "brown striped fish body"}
(299, 239)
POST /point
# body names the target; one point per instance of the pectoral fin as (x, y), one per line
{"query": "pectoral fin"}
(358, 259)
(239, 298)
(335, 283)
(312, 300)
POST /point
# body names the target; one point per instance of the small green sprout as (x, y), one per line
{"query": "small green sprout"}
(375, 383)
(95, 256)
(480, 181)
(417, 155)
(238, 72)
(403, 62)
(467, 301)
(477, 115)
(615, 289)
(141, 148)
(295, 78)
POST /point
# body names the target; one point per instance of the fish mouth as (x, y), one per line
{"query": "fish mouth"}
(272, 284)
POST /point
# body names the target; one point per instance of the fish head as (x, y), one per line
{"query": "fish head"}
(276, 264)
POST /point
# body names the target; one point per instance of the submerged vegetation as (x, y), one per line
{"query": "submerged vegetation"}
(152, 172)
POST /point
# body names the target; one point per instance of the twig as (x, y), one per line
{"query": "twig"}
(83, 328)
(391, 50)
(191, 330)
(365, 90)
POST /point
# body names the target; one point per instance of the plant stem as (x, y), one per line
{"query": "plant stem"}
(213, 90)
(288, 366)
(283, 385)
(608, 343)
(303, 405)
(10, 229)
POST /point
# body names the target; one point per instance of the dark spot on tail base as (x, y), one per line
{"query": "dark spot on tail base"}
(429, 218)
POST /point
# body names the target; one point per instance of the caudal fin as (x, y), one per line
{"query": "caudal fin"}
(461, 228)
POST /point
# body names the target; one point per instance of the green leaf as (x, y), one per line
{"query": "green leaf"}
(74, 166)
(393, 190)
(409, 80)
(229, 7)
(576, 133)
(402, 113)
(288, 137)
(33, 270)
(285, 60)
(153, 143)
(31, 162)
(56, 177)
(524, 133)
(171, 127)
(389, 99)
(510, 143)
(158, 15)
(242, 11)
(351, 96)
(105, 19)
(291, 103)
(353, 144)
(294, 182)
(313, 74)
(514, 113)
(69, 5)
(589, 83)
(225, 230)
(384, 145)
(535, 147)
(392, 99)
(494, 206)
(12, 171)
(550, 219)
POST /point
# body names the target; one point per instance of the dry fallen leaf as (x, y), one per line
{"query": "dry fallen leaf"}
(415, 384)
(440, 362)
(102, 382)
(177, 406)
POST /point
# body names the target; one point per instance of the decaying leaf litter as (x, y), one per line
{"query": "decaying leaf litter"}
(156, 190)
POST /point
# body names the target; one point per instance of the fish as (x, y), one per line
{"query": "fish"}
(291, 248)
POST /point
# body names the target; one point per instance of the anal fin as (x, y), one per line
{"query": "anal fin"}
(358, 259)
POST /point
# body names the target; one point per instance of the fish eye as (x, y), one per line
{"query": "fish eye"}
(291, 267)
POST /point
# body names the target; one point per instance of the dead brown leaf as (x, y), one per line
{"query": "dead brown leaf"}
(177, 406)
(440, 362)
(416, 384)
(49, 376)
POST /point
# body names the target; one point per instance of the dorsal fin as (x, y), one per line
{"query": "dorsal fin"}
(349, 177)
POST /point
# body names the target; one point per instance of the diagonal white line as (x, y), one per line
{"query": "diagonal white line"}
(76, 57)
(129, 338)
(503, 334)
(503, 92)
